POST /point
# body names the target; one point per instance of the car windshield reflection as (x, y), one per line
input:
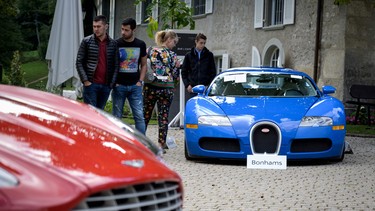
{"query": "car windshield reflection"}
(262, 84)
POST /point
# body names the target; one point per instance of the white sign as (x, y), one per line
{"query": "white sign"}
(266, 161)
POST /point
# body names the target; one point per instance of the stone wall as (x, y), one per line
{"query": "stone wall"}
(360, 44)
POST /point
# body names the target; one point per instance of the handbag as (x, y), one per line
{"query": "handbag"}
(150, 76)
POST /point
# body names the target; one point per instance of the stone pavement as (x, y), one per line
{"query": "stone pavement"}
(219, 185)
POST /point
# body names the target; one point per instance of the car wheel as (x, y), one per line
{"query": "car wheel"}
(187, 156)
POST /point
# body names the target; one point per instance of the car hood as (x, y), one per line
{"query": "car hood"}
(243, 112)
(73, 142)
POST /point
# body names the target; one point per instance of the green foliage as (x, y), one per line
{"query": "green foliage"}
(8, 8)
(16, 75)
(5, 79)
(36, 18)
(173, 14)
(10, 36)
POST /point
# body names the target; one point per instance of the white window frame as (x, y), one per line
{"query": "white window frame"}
(208, 6)
(262, 8)
(222, 60)
(268, 53)
(139, 13)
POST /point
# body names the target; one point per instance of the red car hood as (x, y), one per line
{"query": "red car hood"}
(71, 141)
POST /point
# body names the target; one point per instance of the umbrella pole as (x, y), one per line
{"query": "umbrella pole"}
(63, 85)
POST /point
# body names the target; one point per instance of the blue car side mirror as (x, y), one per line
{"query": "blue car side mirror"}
(199, 89)
(328, 89)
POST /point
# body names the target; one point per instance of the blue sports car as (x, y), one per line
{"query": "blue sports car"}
(257, 111)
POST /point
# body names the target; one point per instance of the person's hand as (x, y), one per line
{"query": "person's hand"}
(178, 63)
(87, 83)
(189, 89)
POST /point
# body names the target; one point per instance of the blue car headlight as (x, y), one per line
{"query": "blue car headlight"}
(214, 121)
(316, 121)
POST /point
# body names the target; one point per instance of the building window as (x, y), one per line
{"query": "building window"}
(221, 61)
(276, 12)
(142, 12)
(273, 54)
(200, 7)
(275, 58)
(268, 13)
(219, 64)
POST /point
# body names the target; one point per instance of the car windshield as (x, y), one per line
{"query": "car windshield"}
(262, 84)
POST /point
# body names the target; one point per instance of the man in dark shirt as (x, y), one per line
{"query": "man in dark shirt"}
(198, 66)
(132, 55)
(97, 64)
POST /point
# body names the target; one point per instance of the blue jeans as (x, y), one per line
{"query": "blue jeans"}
(134, 95)
(96, 95)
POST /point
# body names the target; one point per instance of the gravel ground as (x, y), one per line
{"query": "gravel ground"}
(229, 185)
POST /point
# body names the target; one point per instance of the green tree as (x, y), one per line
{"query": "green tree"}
(10, 36)
(36, 17)
(174, 14)
(16, 75)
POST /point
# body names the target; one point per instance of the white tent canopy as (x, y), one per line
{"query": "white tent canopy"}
(65, 38)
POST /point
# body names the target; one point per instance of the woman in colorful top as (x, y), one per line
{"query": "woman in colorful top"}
(165, 65)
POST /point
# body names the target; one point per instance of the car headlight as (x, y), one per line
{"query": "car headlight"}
(138, 135)
(7, 179)
(214, 121)
(316, 121)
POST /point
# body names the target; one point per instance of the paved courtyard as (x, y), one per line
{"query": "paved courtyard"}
(349, 185)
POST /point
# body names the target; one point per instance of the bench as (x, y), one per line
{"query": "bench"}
(361, 93)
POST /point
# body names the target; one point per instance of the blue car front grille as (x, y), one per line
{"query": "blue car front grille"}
(148, 196)
(265, 137)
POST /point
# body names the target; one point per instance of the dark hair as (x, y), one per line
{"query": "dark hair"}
(200, 36)
(101, 18)
(129, 21)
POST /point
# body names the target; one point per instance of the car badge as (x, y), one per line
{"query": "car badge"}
(265, 130)
(133, 163)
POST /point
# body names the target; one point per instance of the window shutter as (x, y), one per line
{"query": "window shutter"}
(225, 62)
(255, 58)
(209, 6)
(138, 13)
(258, 13)
(188, 3)
(289, 8)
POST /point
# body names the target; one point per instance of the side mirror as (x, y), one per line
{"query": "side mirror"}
(328, 90)
(199, 89)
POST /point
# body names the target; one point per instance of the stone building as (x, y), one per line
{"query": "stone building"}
(334, 44)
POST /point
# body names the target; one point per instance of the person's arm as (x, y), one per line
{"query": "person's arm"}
(186, 69)
(117, 66)
(143, 71)
(80, 61)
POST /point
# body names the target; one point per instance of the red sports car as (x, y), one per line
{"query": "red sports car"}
(59, 154)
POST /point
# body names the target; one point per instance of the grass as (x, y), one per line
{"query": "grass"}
(36, 73)
(361, 129)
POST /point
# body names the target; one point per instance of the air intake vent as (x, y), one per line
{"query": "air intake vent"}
(149, 196)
